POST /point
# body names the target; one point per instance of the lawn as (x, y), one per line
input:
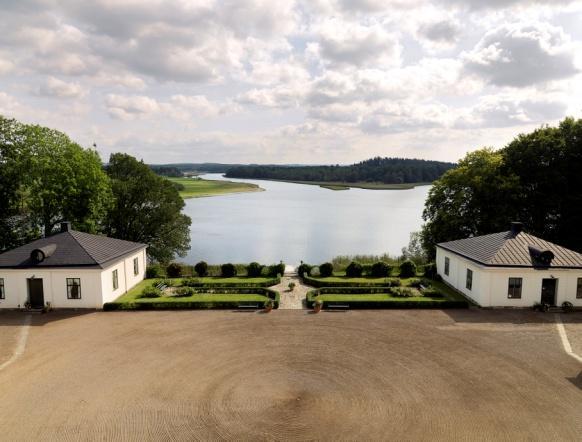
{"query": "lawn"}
(197, 188)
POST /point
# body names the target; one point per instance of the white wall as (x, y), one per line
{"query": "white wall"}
(490, 284)
(126, 278)
(96, 284)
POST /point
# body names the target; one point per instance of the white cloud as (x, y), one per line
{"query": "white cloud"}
(127, 108)
(521, 55)
(61, 89)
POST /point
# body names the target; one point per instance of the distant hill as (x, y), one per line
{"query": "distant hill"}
(194, 167)
(375, 170)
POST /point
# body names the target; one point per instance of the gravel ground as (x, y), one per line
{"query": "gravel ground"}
(292, 375)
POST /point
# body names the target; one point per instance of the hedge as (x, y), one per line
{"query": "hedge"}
(192, 304)
(266, 283)
(315, 282)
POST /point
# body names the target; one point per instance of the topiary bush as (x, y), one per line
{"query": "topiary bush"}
(354, 270)
(430, 270)
(326, 269)
(304, 269)
(201, 269)
(155, 271)
(407, 269)
(380, 270)
(150, 292)
(227, 270)
(254, 270)
(276, 269)
(174, 270)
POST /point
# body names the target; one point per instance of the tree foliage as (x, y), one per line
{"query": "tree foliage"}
(534, 179)
(147, 209)
(378, 170)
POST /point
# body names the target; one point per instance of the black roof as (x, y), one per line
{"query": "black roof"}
(72, 249)
(510, 249)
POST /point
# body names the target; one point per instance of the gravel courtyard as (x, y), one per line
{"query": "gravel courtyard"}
(291, 375)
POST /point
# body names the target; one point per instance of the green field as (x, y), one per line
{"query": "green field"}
(198, 188)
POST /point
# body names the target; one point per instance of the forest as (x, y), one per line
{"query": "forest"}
(375, 170)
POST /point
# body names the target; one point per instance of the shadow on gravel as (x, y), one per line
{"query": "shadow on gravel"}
(577, 381)
(11, 318)
(507, 316)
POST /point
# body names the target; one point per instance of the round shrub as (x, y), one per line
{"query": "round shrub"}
(254, 270)
(430, 270)
(174, 270)
(366, 270)
(326, 269)
(184, 291)
(304, 269)
(150, 292)
(404, 292)
(155, 271)
(407, 269)
(277, 269)
(227, 270)
(380, 270)
(354, 270)
(201, 269)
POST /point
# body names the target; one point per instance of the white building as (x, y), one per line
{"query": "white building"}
(70, 270)
(511, 269)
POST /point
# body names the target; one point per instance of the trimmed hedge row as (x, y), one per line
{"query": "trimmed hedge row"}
(266, 283)
(387, 304)
(190, 304)
(387, 282)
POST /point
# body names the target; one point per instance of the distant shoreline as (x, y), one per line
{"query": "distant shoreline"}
(334, 185)
(204, 188)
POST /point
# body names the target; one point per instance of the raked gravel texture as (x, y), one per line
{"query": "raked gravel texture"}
(292, 375)
(292, 299)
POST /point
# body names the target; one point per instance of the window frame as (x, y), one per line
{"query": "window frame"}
(2, 289)
(447, 265)
(512, 289)
(136, 266)
(70, 284)
(579, 288)
(115, 279)
(469, 279)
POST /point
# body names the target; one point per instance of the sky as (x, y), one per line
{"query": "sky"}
(305, 81)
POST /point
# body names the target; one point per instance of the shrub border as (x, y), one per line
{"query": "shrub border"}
(315, 282)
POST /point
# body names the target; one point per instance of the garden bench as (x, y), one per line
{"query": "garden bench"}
(161, 286)
(338, 306)
(249, 306)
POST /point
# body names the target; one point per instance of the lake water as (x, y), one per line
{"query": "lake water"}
(294, 222)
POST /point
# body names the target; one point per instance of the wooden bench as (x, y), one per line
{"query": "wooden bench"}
(338, 307)
(248, 306)
(161, 286)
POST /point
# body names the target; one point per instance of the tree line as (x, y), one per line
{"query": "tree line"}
(376, 170)
(46, 178)
(535, 179)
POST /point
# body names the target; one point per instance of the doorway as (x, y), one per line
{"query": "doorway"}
(549, 291)
(36, 293)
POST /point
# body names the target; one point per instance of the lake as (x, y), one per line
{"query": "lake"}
(294, 222)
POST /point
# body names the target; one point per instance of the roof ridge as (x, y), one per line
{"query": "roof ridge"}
(70, 232)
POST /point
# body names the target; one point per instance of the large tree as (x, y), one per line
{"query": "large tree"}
(46, 178)
(535, 179)
(147, 209)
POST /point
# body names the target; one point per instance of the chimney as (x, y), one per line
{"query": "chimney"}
(516, 228)
(66, 226)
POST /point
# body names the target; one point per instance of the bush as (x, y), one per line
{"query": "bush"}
(184, 291)
(276, 269)
(191, 282)
(326, 269)
(415, 282)
(404, 292)
(254, 270)
(366, 270)
(380, 270)
(150, 292)
(407, 269)
(155, 271)
(174, 270)
(227, 270)
(430, 270)
(354, 270)
(304, 269)
(201, 269)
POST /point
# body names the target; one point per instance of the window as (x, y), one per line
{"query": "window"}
(2, 288)
(578, 289)
(136, 266)
(469, 284)
(73, 288)
(447, 265)
(514, 289)
(115, 280)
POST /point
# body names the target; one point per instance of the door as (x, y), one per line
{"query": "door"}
(549, 291)
(35, 293)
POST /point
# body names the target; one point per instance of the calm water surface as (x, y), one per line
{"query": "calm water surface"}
(294, 222)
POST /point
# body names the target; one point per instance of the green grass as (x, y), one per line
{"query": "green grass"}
(352, 280)
(331, 297)
(205, 297)
(198, 188)
(338, 185)
(332, 187)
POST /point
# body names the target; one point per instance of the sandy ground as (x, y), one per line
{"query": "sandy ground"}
(292, 375)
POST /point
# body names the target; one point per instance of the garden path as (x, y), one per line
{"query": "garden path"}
(295, 299)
